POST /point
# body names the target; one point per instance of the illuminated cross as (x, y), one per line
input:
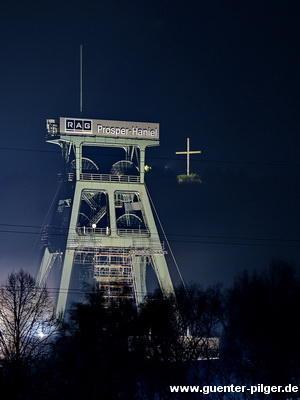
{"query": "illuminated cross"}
(188, 152)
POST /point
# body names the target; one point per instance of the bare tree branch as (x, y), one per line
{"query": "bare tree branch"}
(27, 318)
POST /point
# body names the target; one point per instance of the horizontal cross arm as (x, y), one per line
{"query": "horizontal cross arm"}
(188, 152)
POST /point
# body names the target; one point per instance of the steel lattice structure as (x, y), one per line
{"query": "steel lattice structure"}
(103, 227)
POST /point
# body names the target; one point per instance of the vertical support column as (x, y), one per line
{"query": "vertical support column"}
(112, 211)
(78, 158)
(65, 281)
(43, 267)
(139, 276)
(142, 165)
(67, 267)
(161, 270)
(188, 156)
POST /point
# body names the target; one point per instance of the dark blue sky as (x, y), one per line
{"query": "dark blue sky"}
(224, 73)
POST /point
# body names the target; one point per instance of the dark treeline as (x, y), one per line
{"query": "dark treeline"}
(245, 335)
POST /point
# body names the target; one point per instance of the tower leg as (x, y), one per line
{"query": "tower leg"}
(46, 265)
(139, 273)
(65, 281)
(43, 267)
(161, 270)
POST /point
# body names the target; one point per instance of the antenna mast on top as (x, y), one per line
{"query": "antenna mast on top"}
(81, 79)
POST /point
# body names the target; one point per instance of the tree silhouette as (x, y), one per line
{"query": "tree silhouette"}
(262, 329)
(91, 358)
(121, 352)
(177, 339)
(27, 323)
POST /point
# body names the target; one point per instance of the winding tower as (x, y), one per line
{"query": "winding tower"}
(103, 228)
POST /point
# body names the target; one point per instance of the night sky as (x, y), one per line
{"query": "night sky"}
(223, 73)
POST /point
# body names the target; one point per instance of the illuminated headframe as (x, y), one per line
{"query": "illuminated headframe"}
(107, 231)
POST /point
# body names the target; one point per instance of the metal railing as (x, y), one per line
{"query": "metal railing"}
(84, 230)
(110, 178)
(133, 232)
(101, 177)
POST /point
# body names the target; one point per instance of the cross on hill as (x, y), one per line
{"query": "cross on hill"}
(188, 152)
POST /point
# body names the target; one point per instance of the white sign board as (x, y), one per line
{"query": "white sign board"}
(106, 128)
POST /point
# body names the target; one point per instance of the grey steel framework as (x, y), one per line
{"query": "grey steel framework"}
(103, 227)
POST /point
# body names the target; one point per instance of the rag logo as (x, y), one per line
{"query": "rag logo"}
(78, 125)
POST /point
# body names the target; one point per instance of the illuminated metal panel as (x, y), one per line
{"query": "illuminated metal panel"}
(105, 128)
